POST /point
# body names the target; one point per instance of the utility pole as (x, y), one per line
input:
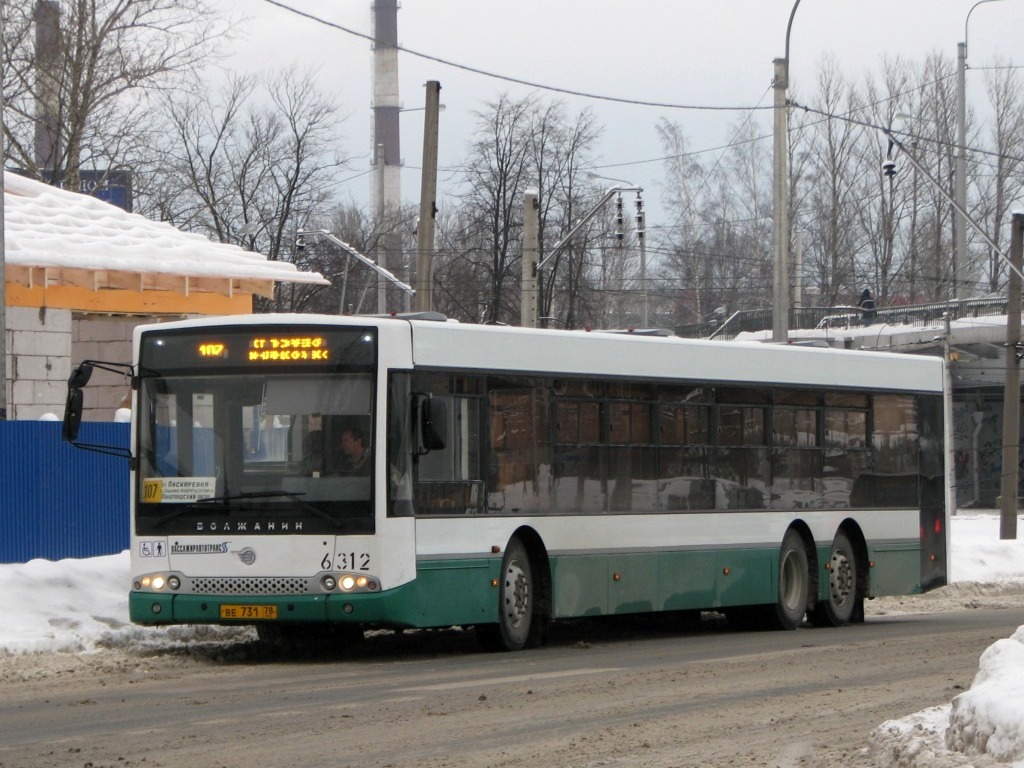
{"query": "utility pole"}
(424, 299)
(3, 245)
(1011, 389)
(780, 205)
(530, 296)
(641, 236)
(960, 170)
(780, 194)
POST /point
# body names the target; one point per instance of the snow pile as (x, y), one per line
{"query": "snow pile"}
(989, 718)
(76, 606)
(982, 727)
(46, 226)
(979, 556)
(917, 741)
(64, 606)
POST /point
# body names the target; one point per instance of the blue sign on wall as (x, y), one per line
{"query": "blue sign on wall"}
(111, 186)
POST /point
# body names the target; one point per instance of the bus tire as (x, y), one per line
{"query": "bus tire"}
(840, 604)
(517, 603)
(794, 582)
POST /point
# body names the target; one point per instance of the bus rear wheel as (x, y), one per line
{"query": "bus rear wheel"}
(517, 603)
(794, 582)
(837, 609)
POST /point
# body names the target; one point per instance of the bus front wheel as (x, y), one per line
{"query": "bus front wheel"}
(794, 581)
(517, 603)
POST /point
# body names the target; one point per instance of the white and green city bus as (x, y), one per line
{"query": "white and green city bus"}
(521, 476)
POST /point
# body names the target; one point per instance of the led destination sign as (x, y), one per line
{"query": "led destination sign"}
(257, 347)
(270, 349)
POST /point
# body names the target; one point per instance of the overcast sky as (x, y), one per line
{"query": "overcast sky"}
(688, 52)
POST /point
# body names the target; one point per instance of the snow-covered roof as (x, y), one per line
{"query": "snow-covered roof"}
(57, 237)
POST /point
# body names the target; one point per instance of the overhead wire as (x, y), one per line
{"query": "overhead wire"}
(508, 78)
(749, 110)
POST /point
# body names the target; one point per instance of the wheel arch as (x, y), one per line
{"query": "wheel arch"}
(538, 553)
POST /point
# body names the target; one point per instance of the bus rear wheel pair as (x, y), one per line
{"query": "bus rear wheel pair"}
(837, 608)
(839, 605)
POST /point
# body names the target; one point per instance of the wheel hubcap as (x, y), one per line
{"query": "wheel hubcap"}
(840, 581)
(517, 594)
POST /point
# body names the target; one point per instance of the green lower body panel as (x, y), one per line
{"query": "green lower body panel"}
(444, 593)
(464, 592)
(896, 570)
(611, 584)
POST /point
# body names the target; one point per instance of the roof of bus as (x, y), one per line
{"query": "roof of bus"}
(482, 348)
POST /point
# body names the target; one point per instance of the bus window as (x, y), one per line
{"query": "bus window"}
(520, 447)
(399, 446)
(449, 480)
(742, 467)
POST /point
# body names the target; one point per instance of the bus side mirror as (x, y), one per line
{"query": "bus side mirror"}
(72, 415)
(430, 418)
(74, 404)
(80, 376)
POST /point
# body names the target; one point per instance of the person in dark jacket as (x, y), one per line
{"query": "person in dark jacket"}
(867, 306)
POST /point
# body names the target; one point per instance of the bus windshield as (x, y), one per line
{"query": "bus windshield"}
(256, 453)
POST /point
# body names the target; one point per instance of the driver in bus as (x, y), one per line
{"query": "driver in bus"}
(355, 456)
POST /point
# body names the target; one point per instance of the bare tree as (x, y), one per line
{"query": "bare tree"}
(560, 150)
(497, 175)
(520, 144)
(835, 194)
(252, 167)
(86, 87)
(1001, 180)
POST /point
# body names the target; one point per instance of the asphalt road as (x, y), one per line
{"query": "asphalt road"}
(628, 693)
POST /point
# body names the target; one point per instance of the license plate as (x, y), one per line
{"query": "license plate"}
(248, 612)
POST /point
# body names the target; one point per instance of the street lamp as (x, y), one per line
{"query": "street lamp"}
(250, 229)
(960, 187)
(351, 252)
(641, 232)
(531, 266)
(780, 195)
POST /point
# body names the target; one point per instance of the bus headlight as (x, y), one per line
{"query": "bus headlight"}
(348, 582)
(157, 582)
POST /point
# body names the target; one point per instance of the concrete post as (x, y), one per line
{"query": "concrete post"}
(424, 299)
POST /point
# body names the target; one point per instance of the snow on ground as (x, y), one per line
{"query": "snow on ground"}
(81, 606)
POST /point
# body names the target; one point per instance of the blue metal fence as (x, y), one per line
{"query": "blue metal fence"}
(57, 501)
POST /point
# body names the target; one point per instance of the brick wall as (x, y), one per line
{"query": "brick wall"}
(108, 339)
(44, 344)
(39, 343)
